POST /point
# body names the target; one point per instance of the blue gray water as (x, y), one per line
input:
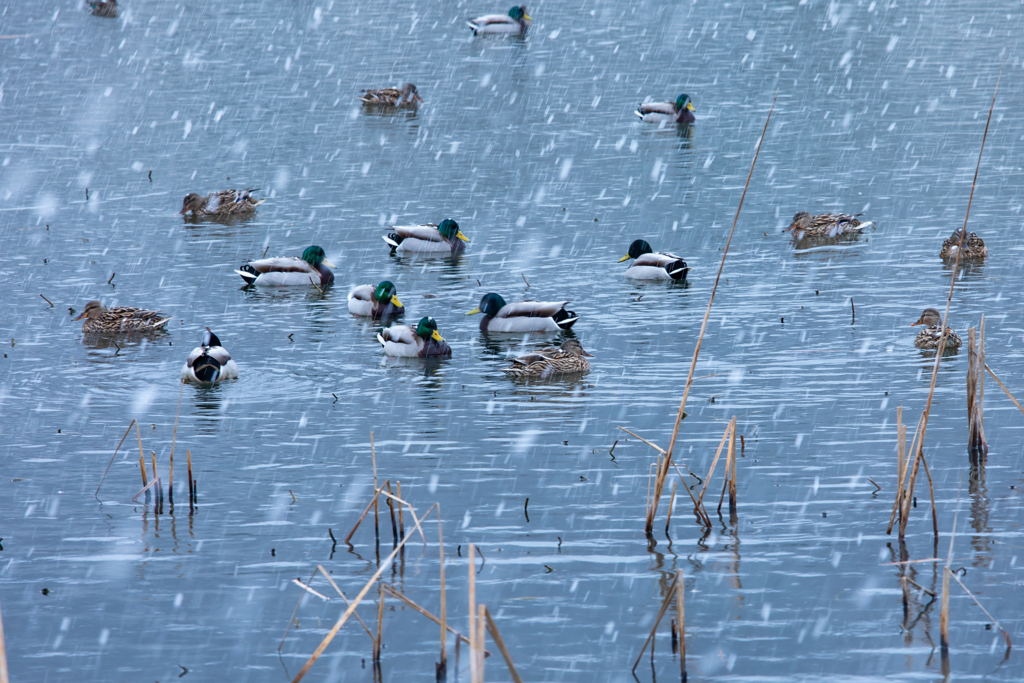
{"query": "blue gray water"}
(530, 144)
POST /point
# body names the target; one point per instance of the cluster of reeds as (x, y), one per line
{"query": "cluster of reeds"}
(480, 620)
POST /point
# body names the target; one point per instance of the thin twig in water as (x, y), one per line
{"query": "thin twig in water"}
(119, 443)
(111, 277)
(1003, 387)
(47, 301)
(525, 280)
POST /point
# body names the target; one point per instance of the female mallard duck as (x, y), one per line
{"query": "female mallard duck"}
(223, 204)
(290, 270)
(120, 319)
(445, 238)
(929, 337)
(524, 316)
(379, 302)
(104, 9)
(516, 21)
(422, 341)
(973, 247)
(392, 97)
(651, 266)
(209, 362)
(566, 360)
(825, 225)
(680, 111)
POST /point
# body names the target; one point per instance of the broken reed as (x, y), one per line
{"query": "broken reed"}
(674, 591)
(665, 460)
(918, 454)
(441, 670)
(977, 447)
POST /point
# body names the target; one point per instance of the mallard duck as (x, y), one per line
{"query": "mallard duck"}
(224, 203)
(379, 302)
(973, 247)
(566, 360)
(445, 238)
(422, 341)
(680, 111)
(516, 21)
(651, 266)
(825, 225)
(290, 270)
(209, 362)
(523, 316)
(392, 97)
(120, 319)
(104, 9)
(929, 337)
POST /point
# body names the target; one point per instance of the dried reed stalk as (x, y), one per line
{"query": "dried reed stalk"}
(191, 486)
(671, 507)
(352, 607)
(663, 464)
(391, 509)
(395, 593)
(944, 622)
(664, 608)
(372, 502)
(406, 503)
(496, 636)
(901, 466)
(380, 622)
(305, 587)
(142, 468)
(977, 447)
(97, 493)
(472, 614)
(707, 480)
(1001, 386)
(995, 622)
(680, 590)
(174, 439)
(401, 519)
(945, 317)
(4, 676)
(376, 511)
(481, 635)
(730, 469)
(442, 667)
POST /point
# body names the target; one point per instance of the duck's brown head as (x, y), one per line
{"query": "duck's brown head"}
(93, 310)
(930, 318)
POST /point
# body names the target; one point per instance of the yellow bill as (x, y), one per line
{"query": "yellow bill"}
(475, 310)
(329, 264)
(461, 236)
(527, 16)
(436, 336)
(624, 258)
(396, 302)
(689, 105)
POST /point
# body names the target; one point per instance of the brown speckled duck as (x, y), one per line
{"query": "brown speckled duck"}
(120, 319)
(406, 96)
(929, 337)
(568, 359)
(221, 204)
(824, 225)
(973, 247)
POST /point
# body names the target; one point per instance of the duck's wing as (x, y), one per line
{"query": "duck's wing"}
(219, 354)
(381, 96)
(284, 264)
(657, 108)
(362, 293)
(531, 309)
(398, 334)
(492, 20)
(427, 232)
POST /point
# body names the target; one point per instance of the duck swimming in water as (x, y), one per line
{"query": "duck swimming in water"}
(120, 319)
(973, 247)
(422, 341)
(650, 266)
(106, 9)
(680, 111)
(445, 238)
(375, 302)
(223, 204)
(523, 316)
(568, 359)
(392, 97)
(209, 362)
(825, 225)
(290, 270)
(516, 21)
(929, 337)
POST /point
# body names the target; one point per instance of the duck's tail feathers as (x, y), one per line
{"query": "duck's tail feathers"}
(473, 26)
(248, 273)
(380, 338)
(393, 240)
(565, 319)
(206, 369)
(639, 113)
(677, 270)
(160, 323)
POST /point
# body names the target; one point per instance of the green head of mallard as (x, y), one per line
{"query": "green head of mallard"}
(387, 293)
(314, 256)
(519, 13)
(490, 304)
(683, 102)
(427, 329)
(449, 230)
(637, 249)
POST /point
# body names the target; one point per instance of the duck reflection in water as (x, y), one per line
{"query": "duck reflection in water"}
(211, 407)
